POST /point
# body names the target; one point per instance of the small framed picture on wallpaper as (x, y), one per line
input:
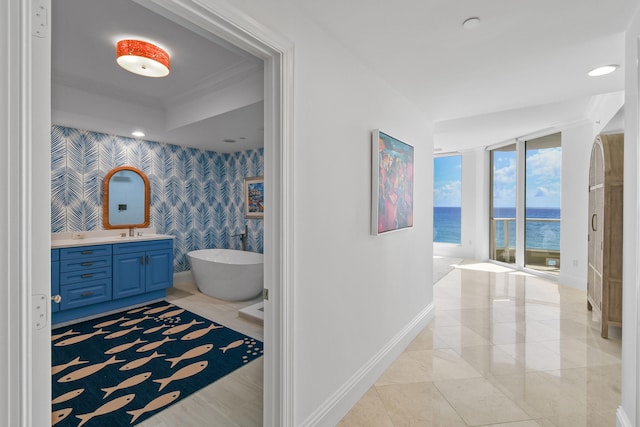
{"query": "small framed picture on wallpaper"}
(254, 197)
(391, 184)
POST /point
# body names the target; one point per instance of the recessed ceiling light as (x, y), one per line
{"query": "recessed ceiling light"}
(471, 23)
(137, 134)
(604, 70)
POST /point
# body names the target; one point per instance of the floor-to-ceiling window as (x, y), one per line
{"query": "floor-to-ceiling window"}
(542, 203)
(447, 207)
(503, 204)
(525, 203)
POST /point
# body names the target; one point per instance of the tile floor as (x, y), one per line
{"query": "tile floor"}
(232, 401)
(505, 349)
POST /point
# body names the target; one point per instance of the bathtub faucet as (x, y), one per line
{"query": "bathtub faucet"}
(243, 237)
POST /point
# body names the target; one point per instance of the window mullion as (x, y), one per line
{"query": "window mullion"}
(520, 202)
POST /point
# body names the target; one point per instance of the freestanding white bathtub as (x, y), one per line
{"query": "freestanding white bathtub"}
(227, 274)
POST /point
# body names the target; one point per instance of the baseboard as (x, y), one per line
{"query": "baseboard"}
(182, 277)
(622, 420)
(572, 281)
(340, 402)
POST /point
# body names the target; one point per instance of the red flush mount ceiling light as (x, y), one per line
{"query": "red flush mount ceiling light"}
(143, 58)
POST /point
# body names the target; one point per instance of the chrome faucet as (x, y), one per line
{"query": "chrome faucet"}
(243, 237)
(132, 231)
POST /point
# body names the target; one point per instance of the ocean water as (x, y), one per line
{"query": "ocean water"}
(446, 225)
(539, 234)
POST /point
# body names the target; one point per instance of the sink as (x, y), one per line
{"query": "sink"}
(148, 236)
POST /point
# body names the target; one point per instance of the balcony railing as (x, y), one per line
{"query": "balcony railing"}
(502, 249)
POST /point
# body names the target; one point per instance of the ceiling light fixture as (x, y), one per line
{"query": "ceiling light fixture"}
(143, 58)
(137, 134)
(470, 23)
(604, 70)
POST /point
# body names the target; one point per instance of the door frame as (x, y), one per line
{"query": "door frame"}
(25, 358)
(25, 224)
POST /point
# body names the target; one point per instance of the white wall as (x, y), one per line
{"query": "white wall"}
(576, 154)
(354, 293)
(574, 205)
(629, 412)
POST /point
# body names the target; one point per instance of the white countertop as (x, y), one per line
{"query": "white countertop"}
(89, 238)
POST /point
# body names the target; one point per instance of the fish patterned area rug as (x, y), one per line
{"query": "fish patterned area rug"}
(120, 369)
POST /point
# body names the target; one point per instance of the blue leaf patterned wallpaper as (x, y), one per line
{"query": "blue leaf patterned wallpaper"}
(196, 195)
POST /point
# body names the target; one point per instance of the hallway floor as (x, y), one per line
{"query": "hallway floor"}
(505, 349)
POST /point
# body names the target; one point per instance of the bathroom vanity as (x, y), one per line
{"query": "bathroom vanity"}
(99, 274)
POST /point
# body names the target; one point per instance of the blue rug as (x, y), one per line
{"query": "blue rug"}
(121, 369)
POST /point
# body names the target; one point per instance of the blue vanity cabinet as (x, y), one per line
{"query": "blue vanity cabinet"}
(95, 279)
(128, 274)
(142, 267)
(85, 276)
(55, 278)
(159, 271)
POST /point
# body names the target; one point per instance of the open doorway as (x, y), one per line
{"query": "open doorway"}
(276, 162)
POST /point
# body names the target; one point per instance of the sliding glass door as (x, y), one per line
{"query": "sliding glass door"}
(525, 203)
(542, 203)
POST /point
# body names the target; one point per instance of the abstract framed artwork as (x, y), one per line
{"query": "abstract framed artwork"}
(254, 197)
(391, 184)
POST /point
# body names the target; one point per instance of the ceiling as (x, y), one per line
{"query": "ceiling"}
(521, 71)
(213, 93)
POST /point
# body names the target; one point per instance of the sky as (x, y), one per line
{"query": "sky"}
(543, 169)
(447, 177)
(504, 179)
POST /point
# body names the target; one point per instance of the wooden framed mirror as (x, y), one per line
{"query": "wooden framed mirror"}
(125, 198)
